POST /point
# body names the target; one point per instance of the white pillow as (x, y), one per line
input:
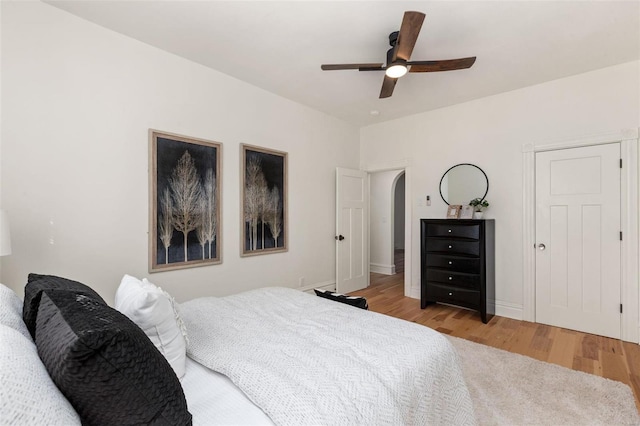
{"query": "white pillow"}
(152, 309)
(28, 396)
(11, 311)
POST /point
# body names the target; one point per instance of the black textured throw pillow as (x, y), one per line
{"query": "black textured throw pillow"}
(357, 301)
(105, 365)
(37, 283)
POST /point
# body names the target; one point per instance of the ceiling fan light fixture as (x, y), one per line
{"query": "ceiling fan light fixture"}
(402, 43)
(396, 70)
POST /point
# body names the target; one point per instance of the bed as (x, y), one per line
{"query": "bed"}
(266, 356)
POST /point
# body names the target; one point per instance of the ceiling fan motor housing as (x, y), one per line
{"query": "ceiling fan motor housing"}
(393, 38)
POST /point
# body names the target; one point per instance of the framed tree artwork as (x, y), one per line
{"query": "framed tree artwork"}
(184, 202)
(263, 211)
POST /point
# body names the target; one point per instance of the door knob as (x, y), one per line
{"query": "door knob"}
(541, 247)
(339, 238)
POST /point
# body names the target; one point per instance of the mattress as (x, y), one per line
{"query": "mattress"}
(213, 399)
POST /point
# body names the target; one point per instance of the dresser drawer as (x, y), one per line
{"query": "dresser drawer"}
(453, 295)
(453, 263)
(453, 231)
(453, 246)
(454, 279)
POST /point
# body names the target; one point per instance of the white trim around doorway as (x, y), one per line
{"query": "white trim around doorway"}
(630, 294)
(409, 291)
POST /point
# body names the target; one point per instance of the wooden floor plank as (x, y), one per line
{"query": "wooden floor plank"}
(592, 354)
(563, 349)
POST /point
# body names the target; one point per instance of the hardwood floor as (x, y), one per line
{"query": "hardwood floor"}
(597, 355)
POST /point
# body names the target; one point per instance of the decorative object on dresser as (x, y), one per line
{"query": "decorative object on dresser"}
(453, 211)
(466, 212)
(184, 197)
(479, 205)
(457, 264)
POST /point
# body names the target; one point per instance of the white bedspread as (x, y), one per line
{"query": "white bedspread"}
(306, 360)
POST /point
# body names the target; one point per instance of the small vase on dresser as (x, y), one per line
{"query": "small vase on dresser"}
(457, 264)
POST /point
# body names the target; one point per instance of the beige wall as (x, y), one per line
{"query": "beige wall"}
(77, 103)
(490, 133)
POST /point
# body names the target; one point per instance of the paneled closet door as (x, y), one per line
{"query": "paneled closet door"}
(578, 260)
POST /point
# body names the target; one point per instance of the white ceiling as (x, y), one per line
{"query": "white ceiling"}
(279, 45)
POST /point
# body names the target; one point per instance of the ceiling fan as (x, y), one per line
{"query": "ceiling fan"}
(398, 63)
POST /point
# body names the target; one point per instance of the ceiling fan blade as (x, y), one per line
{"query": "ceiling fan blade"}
(411, 25)
(387, 87)
(443, 65)
(361, 67)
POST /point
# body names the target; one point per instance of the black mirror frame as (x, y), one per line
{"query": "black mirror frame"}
(463, 164)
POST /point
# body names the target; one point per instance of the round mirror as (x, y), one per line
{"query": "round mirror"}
(462, 183)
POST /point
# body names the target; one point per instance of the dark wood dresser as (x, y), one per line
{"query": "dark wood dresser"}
(457, 264)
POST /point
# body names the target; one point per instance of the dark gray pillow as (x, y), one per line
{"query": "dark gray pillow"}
(105, 365)
(357, 301)
(37, 283)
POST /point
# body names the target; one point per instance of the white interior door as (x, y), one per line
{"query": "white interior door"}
(578, 260)
(352, 230)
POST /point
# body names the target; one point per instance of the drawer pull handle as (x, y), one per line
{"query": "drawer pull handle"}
(450, 278)
(450, 294)
(450, 263)
(449, 230)
(450, 247)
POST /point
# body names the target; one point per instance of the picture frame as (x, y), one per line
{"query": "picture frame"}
(453, 211)
(264, 201)
(184, 202)
(466, 212)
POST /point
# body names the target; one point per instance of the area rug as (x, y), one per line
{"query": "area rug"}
(511, 389)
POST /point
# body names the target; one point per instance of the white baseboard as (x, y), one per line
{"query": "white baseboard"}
(379, 268)
(503, 309)
(327, 285)
(415, 293)
(509, 310)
